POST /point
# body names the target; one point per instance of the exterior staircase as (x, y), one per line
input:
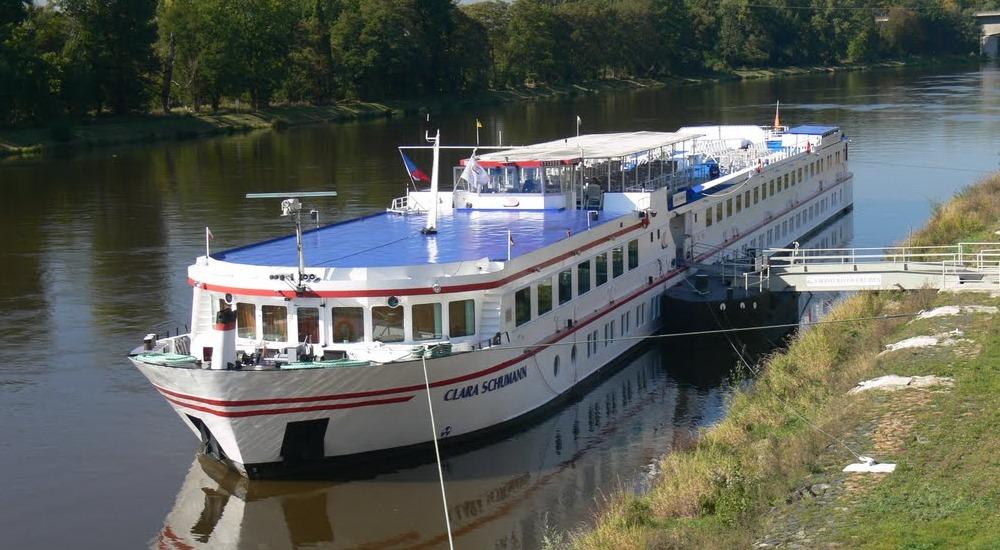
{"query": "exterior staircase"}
(489, 319)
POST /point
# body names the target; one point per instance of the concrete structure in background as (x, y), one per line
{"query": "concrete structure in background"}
(989, 41)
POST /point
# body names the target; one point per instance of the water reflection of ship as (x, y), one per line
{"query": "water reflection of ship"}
(501, 495)
(718, 300)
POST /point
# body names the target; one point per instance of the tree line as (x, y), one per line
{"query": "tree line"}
(74, 58)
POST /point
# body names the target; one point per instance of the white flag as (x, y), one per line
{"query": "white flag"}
(208, 234)
(474, 173)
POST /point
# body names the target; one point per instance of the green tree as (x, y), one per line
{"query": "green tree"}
(311, 74)
(12, 13)
(492, 17)
(536, 43)
(372, 39)
(117, 38)
(198, 52)
(743, 39)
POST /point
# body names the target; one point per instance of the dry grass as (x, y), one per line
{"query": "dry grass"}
(972, 214)
(710, 495)
(713, 495)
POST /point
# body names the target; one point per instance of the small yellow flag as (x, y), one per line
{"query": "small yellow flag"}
(478, 124)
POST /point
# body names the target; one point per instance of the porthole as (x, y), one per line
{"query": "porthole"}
(572, 355)
(555, 367)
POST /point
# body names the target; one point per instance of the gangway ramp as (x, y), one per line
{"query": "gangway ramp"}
(964, 266)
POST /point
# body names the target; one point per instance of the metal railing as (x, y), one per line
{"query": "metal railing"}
(402, 205)
(970, 258)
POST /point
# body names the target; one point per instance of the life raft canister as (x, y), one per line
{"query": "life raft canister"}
(224, 339)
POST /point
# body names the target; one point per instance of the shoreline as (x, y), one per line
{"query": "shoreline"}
(766, 476)
(137, 129)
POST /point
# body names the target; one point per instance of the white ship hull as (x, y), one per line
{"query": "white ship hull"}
(262, 419)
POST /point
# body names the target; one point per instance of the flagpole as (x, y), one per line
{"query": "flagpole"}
(207, 252)
(509, 241)
(477, 132)
(413, 182)
(578, 121)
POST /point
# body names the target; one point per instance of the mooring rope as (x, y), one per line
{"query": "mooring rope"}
(437, 453)
(706, 332)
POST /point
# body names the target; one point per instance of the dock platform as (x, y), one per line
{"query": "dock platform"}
(973, 266)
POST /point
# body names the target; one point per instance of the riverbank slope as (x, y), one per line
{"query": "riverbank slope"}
(769, 474)
(63, 136)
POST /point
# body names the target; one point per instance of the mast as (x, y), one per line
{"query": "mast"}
(432, 211)
(292, 208)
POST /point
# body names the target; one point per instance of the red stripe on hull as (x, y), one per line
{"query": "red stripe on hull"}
(287, 410)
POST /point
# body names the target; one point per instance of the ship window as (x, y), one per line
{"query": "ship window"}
(308, 322)
(246, 321)
(387, 324)
(772, 187)
(348, 324)
(601, 269)
(462, 318)
(756, 194)
(739, 203)
(426, 321)
(612, 338)
(522, 306)
(729, 207)
(565, 286)
(708, 217)
(746, 199)
(718, 212)
(617, 261)
(583, 278)
(275, 321)
(633, 254)
(544, 297)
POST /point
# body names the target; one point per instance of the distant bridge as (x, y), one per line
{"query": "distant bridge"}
(989, 42)
(965, 266)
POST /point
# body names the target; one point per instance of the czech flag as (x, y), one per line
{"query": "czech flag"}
(411, 168)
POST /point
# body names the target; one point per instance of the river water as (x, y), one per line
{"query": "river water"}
(94, 256)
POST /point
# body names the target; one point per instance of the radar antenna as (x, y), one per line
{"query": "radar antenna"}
(292, 207)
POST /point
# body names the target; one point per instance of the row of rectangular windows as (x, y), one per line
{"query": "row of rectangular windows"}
(347, 324)
(625, 325)
(545, 299)
(781, 230)
(772, 187)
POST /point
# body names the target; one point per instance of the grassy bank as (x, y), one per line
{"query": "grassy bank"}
(105, 131)
(743, 482)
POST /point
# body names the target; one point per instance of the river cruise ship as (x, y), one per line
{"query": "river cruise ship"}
(540, 266)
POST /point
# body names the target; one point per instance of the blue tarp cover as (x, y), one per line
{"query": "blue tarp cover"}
(812, 130)
(385, 239)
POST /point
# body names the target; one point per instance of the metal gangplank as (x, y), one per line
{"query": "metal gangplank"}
(964, 266)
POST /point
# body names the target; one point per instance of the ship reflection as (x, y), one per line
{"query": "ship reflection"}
(502, 495)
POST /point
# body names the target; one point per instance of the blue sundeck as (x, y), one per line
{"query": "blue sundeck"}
(384, 240)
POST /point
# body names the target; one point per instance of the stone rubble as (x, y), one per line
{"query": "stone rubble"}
(945, 311)
(893, 382)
